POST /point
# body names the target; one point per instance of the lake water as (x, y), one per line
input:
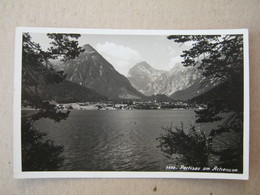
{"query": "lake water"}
(96, 140)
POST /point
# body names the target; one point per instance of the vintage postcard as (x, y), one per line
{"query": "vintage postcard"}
(92, 103)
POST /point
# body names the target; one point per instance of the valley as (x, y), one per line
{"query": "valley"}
(92, 72)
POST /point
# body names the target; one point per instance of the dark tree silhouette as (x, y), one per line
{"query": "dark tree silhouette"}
(220, 58)
(192, 146)
(39, 153)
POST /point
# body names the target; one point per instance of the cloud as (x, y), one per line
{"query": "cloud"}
(172, 51)
(175, 61)
(176, 52)
(120, 56)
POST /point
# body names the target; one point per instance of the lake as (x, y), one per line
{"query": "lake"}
(122, 140)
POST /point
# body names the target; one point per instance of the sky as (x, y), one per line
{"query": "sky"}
(124, 51)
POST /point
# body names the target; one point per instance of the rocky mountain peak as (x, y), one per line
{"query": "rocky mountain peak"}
(88, 48)
(151, 81)
(142, 75)
(143, 67)
(143, 64)
(93, 71)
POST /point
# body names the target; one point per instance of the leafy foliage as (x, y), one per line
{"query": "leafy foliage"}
(38, 71)
(192, 146)
(227, 142)
(63, 46)
(220, 57)
(39, 153)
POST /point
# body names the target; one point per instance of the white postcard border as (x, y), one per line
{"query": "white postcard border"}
(18, 173)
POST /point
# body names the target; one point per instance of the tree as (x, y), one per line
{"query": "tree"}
(220, 59)
(39, 153)
(192, 148)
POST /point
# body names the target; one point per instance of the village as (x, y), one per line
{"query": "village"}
(127, 105)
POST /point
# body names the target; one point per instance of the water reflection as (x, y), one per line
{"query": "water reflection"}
(114, 140)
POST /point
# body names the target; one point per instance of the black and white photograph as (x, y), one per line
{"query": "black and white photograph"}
(131, 103)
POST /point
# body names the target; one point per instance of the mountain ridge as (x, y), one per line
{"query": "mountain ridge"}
(198, 88)
(90, 69)
(141, 75)
(151, 81)
(53, 88)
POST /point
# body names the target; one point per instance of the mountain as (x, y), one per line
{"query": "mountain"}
(57, 64)
(91, 70)
(68, 92)
(178, 78)
(159, 98)
(151, 81)
(62, 92)
(142, 75)
(198, 88)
